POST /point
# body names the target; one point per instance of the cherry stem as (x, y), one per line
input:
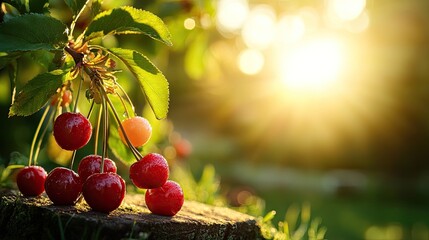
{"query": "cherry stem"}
(78, 94)
(135, 152)
(77, 57)
(128, 99)
(123, 104)
(97, 130)
(73, 24)
(90, 110)
(105, 133)
(72, 160)
(33, 143)
(42, 135)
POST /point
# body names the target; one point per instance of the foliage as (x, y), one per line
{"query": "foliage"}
(151, 80)
(17, 161)
(29, 30)
(72, 57)
(297, 224)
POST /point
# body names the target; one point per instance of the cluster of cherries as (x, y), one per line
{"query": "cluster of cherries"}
(96, 179)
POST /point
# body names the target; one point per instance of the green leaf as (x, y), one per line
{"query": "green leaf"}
(20, 5)
(75, 5)
(6, 58)
(96, 7)
(9, 11)
(17, 158)
(128, 20)
(44, 58)
(38, 6)
(5, 174)
(151, 80)
(36, 93)
(32, 32)
(34, 6)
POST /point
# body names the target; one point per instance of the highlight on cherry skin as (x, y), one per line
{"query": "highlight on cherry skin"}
(31, 181)
(72, 130)
(166, 200)
(137, 129)
(104, 192)
(63, 186)
(150, 172)
(91, 164)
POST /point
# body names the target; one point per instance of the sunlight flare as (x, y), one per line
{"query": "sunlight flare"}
(311, 67)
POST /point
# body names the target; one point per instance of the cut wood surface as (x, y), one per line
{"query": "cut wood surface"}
(38, 218)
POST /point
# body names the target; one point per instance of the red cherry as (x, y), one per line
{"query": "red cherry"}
(138, 130)
(91, 164)
(63, 186)
(149, 172)
(166, 200)
(31, 181)
(104, 192)
(72, 130)
(183, 148)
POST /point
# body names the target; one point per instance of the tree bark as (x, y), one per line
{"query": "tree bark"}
(38, 218)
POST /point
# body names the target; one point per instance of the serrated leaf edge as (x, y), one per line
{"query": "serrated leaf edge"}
(134, 74)
(99, 34)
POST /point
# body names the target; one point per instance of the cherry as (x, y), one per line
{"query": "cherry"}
(166, 200)
(183, 148)
(91, 164)
(104, 192)
(31, 181)
(66, 98)
(137, 129)
(72, 130)
(63, 186)
(149, 172)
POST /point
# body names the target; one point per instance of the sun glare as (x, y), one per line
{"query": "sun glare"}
(311, 67)
(231, 15)
(346, 10)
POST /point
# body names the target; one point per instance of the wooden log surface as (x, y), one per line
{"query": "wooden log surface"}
(38, 218)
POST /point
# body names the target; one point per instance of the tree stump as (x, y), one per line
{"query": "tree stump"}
(38, 218)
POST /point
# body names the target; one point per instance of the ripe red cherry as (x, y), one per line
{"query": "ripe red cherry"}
(149, 172)
(31, 181)
(104, 192)
(166, 200)
(63, 186)
(138, 130)
(91, 164)
(72, 130)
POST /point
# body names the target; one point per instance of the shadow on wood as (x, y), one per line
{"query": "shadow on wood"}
(37, 218)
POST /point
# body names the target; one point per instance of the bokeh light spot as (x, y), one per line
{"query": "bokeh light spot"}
(260, 27)
(251, 61)
(346, 9)
(189, 23)
(231, 15)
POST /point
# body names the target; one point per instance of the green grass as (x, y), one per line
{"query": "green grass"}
(348, 218)
(374, 211)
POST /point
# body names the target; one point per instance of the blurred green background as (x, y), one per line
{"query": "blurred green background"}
(296, 101)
